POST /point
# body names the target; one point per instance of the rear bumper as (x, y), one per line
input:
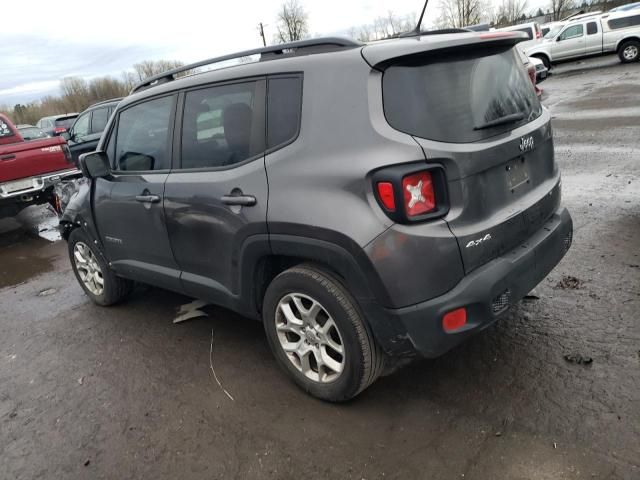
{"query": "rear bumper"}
(513, 275)
(38, 183)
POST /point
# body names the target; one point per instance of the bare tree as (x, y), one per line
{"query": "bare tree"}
(560, 8)
(293, 22)
(510, 11)
(149, 68)
(460, 13)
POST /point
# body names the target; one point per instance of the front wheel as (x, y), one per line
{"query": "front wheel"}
(629, 51)
(545, 61)
(92, 272)
(318, 335)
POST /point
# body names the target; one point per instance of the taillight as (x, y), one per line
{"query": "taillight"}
(67, 152)
(412, 192)
(419, 197)
(531, 69)
(59, 130)
(386, 195)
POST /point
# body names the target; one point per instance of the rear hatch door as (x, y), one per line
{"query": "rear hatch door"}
(471, 107)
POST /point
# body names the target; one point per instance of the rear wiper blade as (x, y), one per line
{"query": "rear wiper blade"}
(511, 118)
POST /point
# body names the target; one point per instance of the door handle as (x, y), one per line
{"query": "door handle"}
(242, 200)
(148, 198)
(8, 157)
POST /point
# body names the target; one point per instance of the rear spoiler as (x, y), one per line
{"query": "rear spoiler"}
(379, 55)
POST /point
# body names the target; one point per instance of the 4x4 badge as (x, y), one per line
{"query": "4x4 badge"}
(526, 144)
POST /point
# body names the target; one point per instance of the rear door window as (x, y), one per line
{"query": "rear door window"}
(592, 28)
(143, 138)
(453, 97)
(284, 103)
(222, 125)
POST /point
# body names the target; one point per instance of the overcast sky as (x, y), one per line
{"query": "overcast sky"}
(44, 41)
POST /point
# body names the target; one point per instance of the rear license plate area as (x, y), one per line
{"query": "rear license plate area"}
(11, 187)
(517, 173)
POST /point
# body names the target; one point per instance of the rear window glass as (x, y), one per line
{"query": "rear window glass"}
(5, 130)
(99, 120)
(624, 22)
(526, 30)
(452, 97)
(65, 122)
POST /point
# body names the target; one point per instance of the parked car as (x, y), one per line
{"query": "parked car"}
(29, 132)
(541, 71)
(387, 218)
(603, 34)
(530, 68)
(624, 8)
(85, 133)
(531, 29)
(29, 170)
(56, 124)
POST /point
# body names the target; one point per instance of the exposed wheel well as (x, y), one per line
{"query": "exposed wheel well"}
(271, 266)
(544, 57)
(625, 40)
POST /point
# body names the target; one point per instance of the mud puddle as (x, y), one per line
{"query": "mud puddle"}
(24, 245)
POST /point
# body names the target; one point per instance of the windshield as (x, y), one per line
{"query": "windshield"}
(553, 31)
(459, 97)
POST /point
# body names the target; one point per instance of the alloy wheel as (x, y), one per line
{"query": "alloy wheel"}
(88, 268)
(630, 53)
(310, 337)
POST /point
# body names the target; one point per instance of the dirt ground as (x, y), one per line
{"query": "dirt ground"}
(89, 392)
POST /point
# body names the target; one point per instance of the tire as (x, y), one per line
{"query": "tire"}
(629, 51)
(114, 289)
(361, 361)
(545, 61)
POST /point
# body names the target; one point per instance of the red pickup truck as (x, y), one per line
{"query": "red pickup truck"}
(30, 170)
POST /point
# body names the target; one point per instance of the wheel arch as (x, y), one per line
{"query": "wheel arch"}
(625, 40)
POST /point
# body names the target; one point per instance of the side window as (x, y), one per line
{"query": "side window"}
(99, 120)
(624, 22)
(284, 103)
(592, 28)
(81, 127)
(5, 131)
(221, 125)
(572, 32)
(143, 136)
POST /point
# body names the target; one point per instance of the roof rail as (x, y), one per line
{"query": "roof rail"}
(315, 45)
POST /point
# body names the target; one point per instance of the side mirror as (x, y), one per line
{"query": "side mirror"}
(95, 165)
(66, 135)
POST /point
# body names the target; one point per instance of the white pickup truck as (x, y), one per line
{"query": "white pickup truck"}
(617, 32)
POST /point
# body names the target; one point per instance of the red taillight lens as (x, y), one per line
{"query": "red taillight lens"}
(385, 192)
(59, 130)
(454, 320)
(419, 196)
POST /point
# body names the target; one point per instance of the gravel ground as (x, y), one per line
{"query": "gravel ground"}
(552, 391)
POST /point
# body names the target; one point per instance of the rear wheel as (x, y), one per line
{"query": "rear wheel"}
(93, 274)
(318, 335)
(629, 51)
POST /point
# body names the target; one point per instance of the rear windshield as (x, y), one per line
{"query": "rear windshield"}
(449, 97)
(65, 122)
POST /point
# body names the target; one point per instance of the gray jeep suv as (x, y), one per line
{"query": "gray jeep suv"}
(365, 202)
